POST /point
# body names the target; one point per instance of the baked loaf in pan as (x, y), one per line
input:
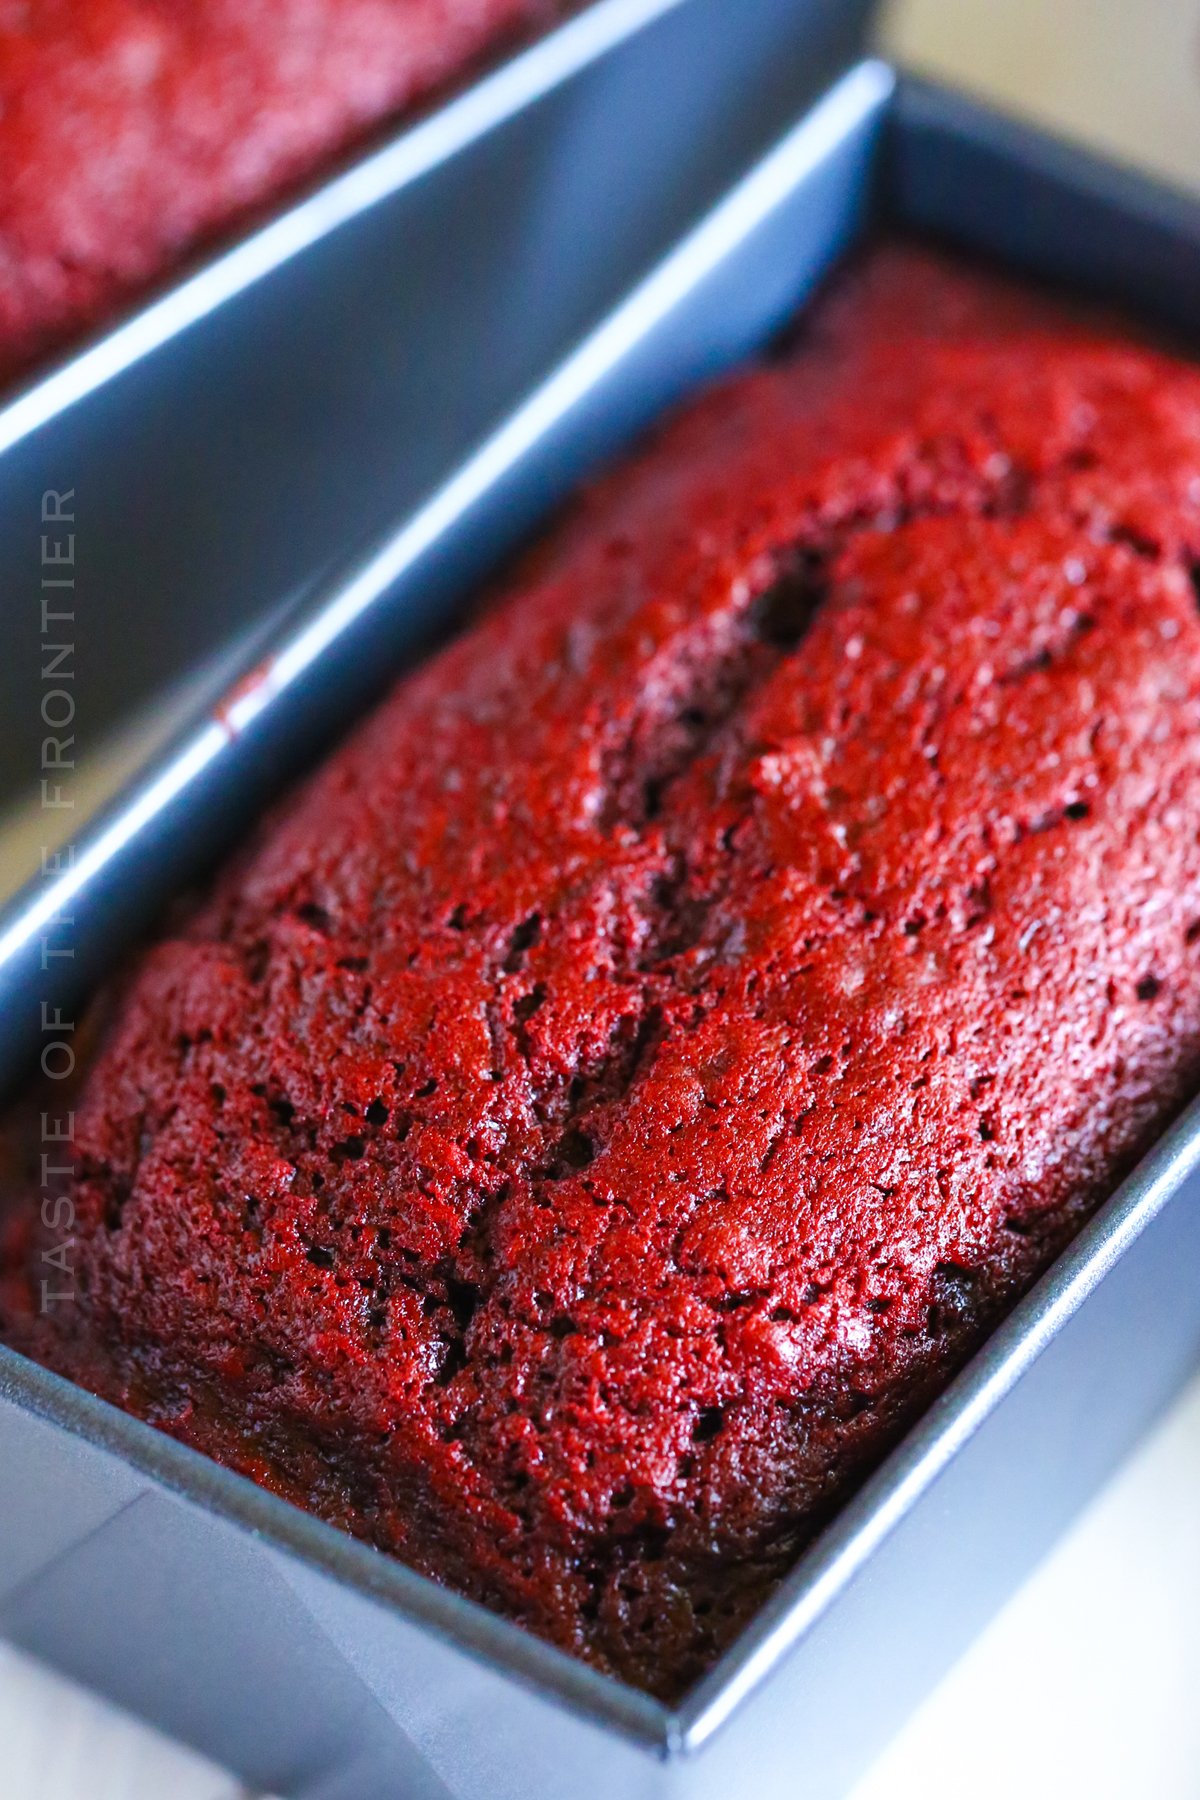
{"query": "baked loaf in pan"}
(608, 1100)
(134, 131)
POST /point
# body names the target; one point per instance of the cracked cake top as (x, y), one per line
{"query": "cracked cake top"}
(610, 1097)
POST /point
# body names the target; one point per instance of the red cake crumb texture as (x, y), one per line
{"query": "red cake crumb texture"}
(606, 1102)
(132, 131)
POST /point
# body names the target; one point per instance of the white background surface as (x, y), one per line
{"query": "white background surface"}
(1088, 1684)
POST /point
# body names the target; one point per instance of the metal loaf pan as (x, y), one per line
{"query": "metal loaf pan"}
(319, 1668)
(289, 396)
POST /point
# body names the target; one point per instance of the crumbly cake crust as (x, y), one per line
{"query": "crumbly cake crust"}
(613, 1095)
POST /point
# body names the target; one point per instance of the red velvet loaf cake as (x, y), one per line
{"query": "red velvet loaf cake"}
(605, 1103)
(132, 131)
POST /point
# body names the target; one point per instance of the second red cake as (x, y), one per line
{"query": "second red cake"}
(133, 131)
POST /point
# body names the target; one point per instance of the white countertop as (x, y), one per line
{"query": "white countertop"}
(1086, 1683)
